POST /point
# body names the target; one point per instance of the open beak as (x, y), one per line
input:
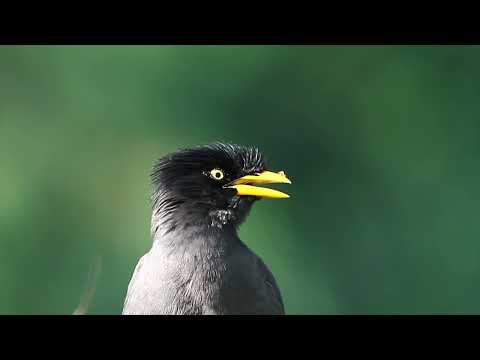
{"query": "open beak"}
(246, 185)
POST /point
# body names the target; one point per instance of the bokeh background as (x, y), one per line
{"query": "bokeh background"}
(382, 144)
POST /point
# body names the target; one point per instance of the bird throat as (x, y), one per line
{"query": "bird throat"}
(220, 218)
(188, 219)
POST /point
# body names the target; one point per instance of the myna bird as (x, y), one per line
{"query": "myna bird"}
(197, 264)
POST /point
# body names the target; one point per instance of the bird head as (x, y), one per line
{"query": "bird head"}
(210, 185)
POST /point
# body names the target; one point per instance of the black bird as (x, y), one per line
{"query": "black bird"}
(197, 264)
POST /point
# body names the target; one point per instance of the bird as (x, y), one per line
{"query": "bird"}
(197, 264)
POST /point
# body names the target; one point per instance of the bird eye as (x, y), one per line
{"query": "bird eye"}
(216, 174)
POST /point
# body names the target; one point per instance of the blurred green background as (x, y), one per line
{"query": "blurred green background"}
(381, 142)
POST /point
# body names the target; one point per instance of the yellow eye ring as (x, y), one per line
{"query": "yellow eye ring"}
(216, 174)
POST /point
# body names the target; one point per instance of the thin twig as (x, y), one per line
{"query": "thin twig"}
(95, 269)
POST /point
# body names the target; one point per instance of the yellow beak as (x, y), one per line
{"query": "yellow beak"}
(245, 185)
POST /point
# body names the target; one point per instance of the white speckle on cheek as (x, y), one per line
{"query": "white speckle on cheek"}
(219, 218)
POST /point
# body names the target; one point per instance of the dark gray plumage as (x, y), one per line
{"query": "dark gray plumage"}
(197, 263)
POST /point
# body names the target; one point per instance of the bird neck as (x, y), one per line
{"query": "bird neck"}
(187, 220)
